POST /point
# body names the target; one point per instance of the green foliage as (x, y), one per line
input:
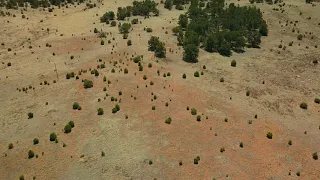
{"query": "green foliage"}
(149, 30)
(113, 23)
(67, 129)
(129, 42)
(157, 46)
(53, 136)
(76, 106)
(35, 141)
(87, 84)
(30, 115)
(30, 154)
(191, 53)
(304, 105)
(71, 123)
(198, 118)
(100, 111)
(193, 111)
(124, 28)
(241, 144)
(315, 156)
(168, 121)
(196, 160)
(168, 4)
(233, 63)
(124, 12)
(196, 74)
(222, 149)
(222, 29)
(135, 21)
(102, 42)
(183, 21)
(269, 135)
(144, 8)
(317, 100)
(107, 16)
(10, 146)
(21, 177)
(184, 76)
(136, 59)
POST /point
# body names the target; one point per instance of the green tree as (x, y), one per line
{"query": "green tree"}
(125, 27)
(263, 29)
(168, 4)
(183, 21)
(191, 53)
(254, 39)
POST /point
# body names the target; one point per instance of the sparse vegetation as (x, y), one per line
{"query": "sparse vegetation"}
(269, 135)
(30, 115)
(53, 137)
(87, 84)
(168, 120)
(35, 141)
(100, 111)
(30, 154)
(304, 106)
(193, 111)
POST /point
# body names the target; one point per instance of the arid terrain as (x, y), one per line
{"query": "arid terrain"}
(262, 94)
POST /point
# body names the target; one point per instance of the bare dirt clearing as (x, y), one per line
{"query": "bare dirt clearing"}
(136, 141)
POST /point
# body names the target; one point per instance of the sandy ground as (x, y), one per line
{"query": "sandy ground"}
(289, 77)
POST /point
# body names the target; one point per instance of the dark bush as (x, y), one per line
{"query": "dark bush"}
(198, 118)
(53, 136)
(315, 156)
(30, 115)
(75, 106)
(241, 144)
(184, 76)
(10, 146)
(67, 129)
(35, 141)
(304, 105)
(168, 121)
(196, 74)
(193, 111)
(30, 154)
(100, 111)
(129, 42)
(87, 84)
(233, 63)
(71, 123)
(269, 135)
(317, 100)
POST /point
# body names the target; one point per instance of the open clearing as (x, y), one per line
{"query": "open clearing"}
(136, 143)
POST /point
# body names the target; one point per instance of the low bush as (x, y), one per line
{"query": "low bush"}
(100, 111)
(67, 129)
(193, 111)
(269, 135)
(304, 106)
(35, 141)
(87, 84)
(30, 154)
(233, 63)
(30, 115)
(53, 136)
(196, 74)
(75, 106)
(168, 121)
(315, 156)
(10, 146)
(184, 76)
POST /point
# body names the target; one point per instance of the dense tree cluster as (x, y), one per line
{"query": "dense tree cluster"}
(14, 4)
(168, 4)
(157, 46)
(220, 29)
(138, 8)
(107, 16)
